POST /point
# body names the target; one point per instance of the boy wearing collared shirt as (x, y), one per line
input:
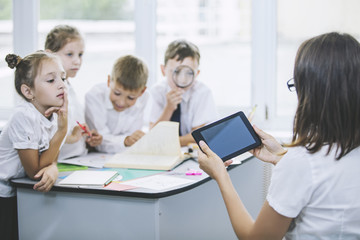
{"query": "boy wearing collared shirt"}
(194, 104)
(116, 110)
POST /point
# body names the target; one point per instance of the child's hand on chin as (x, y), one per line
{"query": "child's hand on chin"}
(61, 112)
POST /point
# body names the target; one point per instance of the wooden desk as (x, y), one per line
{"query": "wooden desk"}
(194, 211)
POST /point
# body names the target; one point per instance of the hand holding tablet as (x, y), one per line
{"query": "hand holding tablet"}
(228, 137)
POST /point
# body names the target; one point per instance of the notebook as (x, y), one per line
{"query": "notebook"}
(159, 149)
(88, 177)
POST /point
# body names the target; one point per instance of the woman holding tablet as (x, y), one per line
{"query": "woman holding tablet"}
(315, 188)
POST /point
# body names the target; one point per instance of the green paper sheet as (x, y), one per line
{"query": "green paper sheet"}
(69, 167)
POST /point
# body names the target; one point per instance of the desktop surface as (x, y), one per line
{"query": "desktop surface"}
(139, 213)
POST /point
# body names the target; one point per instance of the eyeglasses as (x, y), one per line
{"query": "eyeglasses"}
(291, 85)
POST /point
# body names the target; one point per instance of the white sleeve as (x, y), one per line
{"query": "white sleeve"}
(205, 109)
(115, 143)
(23, 133)
(157, 104)
(291, 184)
(112, 143)
(135, 121)
(139, 115)
(95, 117)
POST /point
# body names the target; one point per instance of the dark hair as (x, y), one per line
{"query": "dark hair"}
(181, 49)
(131, 72)
(27, 68)
(327, 81)
(59, 36)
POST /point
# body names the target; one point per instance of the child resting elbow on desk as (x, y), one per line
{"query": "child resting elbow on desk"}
(116, 109)
(181, 98)
(30, 142)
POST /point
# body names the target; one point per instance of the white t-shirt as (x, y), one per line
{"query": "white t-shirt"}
(27, 129)
(197, 105)
(112, 125)
(75, 113)
(319, 192)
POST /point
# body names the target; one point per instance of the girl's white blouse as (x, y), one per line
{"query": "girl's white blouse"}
(26, 129)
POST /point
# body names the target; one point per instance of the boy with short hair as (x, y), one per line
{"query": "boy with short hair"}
(193, 105)
(116, 110)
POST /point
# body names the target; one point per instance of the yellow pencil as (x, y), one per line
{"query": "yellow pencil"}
(251, 114)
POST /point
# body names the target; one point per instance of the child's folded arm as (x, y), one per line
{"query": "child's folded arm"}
(33, 162)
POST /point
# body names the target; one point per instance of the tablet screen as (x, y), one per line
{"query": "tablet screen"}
(229, 137)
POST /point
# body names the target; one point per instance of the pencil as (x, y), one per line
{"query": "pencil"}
(251, 114)
(111, 179)
(84, 128)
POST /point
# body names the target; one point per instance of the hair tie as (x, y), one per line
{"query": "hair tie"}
(13, 60)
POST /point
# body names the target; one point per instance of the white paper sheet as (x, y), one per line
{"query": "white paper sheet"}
(159, 182)
(96, 160)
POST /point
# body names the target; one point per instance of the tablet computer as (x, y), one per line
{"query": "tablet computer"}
(228, 137)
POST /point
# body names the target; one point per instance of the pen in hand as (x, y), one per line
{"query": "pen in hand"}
(84, 128)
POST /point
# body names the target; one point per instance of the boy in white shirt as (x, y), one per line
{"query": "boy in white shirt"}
(193, 104)
(116, 110)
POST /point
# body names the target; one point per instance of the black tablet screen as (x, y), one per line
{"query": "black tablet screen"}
(228, 137)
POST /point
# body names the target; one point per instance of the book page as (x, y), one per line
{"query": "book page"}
(163, 139)
(159, 149)
(155, 162)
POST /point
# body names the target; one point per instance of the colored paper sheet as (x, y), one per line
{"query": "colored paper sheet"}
(69, 167)
(129, 174)
(119, 187)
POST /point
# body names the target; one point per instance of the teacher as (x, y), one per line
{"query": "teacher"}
(315, 188)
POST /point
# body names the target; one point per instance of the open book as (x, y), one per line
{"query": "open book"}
(159, 149)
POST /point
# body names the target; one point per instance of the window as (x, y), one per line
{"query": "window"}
(247, 47)
(6, 47)
(299, 20)
(107, 27)
(222, 31)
